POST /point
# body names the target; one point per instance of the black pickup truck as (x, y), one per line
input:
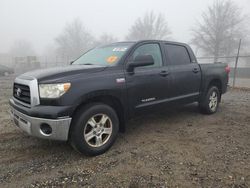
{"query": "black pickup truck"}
(88, 102)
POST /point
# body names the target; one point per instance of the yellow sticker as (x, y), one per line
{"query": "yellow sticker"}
(112, 59)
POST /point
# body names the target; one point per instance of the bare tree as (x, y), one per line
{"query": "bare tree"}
(74, 40)
(221, 28)
(22, 48)
(150, 26)
(105, 39)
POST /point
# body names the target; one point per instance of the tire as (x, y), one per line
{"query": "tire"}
(90, 133)
(210, 103)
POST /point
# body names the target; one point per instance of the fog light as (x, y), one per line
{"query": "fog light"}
(46, 129)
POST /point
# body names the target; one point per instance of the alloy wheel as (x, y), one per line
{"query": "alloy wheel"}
(213, 101)
(98, 130)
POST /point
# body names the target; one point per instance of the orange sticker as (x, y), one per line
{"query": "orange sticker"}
(112, 59)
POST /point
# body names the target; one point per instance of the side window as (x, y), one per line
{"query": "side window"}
(150, 49)
(177, 54)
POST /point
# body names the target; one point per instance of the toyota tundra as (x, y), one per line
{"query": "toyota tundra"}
(89, 101)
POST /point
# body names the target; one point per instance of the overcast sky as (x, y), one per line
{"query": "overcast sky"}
(40, 21)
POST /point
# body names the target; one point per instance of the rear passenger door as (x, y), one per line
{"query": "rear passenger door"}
(185, 74)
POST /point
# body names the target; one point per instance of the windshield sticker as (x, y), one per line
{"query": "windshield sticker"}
(112, 59)
(121, 49)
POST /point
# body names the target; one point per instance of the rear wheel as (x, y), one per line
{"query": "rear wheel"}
(210, 103)
(94, 129)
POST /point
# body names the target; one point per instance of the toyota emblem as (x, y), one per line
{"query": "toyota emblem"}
(18, 92)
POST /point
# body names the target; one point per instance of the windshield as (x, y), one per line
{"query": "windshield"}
(107, 55)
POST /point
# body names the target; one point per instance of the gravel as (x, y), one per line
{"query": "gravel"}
(171, 148)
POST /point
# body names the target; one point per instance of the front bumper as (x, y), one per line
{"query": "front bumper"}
(32, 125)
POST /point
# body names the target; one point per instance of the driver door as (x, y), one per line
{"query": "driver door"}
(146, 86)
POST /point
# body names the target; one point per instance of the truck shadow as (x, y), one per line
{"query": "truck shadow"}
(139, 125)
(163, 116)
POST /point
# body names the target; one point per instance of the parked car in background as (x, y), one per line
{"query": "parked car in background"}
(5, 71)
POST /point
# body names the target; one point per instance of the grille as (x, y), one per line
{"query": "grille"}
(22, 93)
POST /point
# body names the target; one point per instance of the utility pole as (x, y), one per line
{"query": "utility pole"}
(236, 64)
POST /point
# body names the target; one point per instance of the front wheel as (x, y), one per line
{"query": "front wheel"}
(210, 103)
(94, 129)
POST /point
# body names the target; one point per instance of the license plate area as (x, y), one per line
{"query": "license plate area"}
(21, 122)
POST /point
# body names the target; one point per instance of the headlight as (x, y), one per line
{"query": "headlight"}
(53, 90)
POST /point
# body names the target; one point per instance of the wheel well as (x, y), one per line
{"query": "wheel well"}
(110, 101)
(217, 83)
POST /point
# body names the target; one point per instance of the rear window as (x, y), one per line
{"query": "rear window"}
(178, 54)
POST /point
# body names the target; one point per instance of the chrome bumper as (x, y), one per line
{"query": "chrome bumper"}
(32, 125)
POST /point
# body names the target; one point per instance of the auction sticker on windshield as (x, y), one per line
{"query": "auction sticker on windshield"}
(112, 59)
(121, 49)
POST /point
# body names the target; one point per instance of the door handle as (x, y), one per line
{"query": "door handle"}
(195, 70)
(164, 73)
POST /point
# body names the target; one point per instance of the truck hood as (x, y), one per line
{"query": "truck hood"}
(62, 72)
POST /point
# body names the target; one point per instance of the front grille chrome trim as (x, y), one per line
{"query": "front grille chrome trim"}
(25, 92)
(34, 92)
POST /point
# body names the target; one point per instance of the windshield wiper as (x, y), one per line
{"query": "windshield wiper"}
(87, 64)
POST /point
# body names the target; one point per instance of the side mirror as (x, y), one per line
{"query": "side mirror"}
(140, 61)
(71, 62)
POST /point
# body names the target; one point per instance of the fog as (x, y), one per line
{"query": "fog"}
(41, 21)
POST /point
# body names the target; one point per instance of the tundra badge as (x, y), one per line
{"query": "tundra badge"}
(148, 100)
